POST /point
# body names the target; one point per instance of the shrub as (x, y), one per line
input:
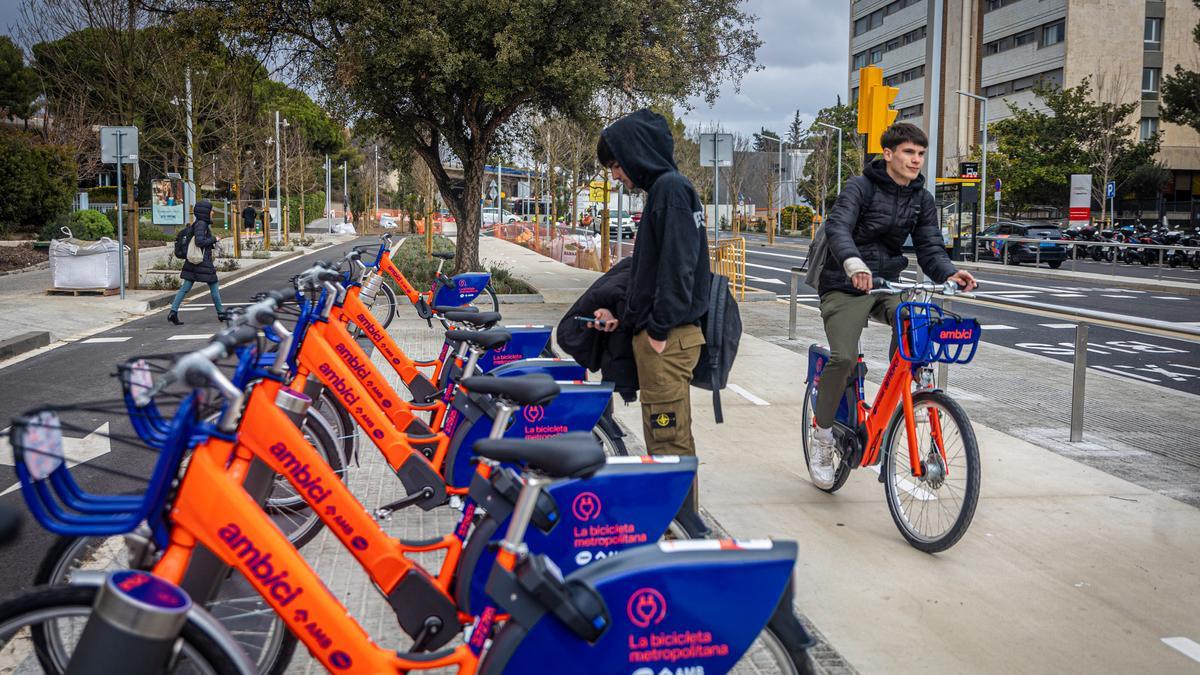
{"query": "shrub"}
(169, 263)
(166, 282)
(503, 281)
(105, 194)
(37, 182)
(802, 213)
(153, 233)
(90, 225)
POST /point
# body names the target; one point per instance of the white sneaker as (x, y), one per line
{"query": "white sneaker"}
(820, 457)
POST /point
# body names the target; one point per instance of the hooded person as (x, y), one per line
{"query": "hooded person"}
(204, 271)
(669, 282)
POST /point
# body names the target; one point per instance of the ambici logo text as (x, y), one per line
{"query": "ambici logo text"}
(260, 565)
(956, 334)
(647, 607)
(586, 506)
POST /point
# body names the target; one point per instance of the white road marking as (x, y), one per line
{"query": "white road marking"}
(1123, 373)
(1168, 297)
(1057, 325)
(765, 280)
(1186, 646)
(1068, 295)
(747, 395)
(911, 488)
(768, 267)
(204, 336)
(997, 326)
(777, 255)
(191, 308)
(75, 450)
(99, 340)
(1114, 295)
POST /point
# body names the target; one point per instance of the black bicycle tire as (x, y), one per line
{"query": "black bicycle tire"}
(346, 428)
(491, 292)
(611, 433)
(40, 599)
(842, 474)
(970, 447)
(49, 574)
(386, 290)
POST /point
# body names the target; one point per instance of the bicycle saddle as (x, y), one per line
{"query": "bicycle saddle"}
(442, 309)
(574, 455)
(476, 318)
(533, 389)
(443, 256)
(484, 339)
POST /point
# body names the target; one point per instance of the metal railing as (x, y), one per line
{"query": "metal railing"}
(1074, 246)
(1081, 317)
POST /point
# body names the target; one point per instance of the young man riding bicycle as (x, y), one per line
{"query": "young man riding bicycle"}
(865, 230)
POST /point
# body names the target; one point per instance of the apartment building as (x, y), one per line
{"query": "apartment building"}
(1003, 48)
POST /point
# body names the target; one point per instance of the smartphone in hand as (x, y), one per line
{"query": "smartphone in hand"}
(591, 319)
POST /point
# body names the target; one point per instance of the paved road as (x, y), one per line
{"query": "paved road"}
(1162, 361)
(81, 371)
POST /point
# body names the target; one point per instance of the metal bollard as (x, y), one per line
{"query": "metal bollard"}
(133, 627)
(1078, 380)
(792, 303)
(1037, 256)
(1116, 254)
(1161, 251)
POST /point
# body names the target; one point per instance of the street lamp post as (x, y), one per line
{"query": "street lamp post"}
(278, 200)
(778, 189)
(345, 195)
(839, 159)
(286, 216)
(983, 184)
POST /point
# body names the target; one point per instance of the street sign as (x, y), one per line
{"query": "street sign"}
(997, 185)
(1110, 190)
(1079, 208)
(968, 169)
(492, 191)
(129, 144)
(596, 191)
(718, 146)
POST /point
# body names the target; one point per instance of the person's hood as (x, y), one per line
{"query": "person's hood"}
(642, 144)
(203, 210)
(877, 172)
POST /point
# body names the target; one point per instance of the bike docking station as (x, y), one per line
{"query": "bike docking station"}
(133, 626)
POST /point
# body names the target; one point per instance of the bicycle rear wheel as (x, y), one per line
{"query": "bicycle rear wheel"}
(935, 510)
(65, 610)
(841, 470)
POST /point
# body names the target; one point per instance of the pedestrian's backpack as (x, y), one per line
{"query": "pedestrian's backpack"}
(722, 327)
(182, 239)
(818, 251)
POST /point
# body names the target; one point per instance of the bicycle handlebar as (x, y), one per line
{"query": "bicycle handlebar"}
(882, 286)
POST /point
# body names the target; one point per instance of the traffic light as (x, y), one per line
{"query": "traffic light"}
(869, 77)
(881, 115)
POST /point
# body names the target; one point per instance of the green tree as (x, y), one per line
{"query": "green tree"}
(37, 182)
(18, 82)
(448, 76)
(1180, 93)
(766, 141)
(819, 182)
(796, 131)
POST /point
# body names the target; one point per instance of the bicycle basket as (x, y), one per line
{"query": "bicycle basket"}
(913, 323)
(60, 450)
(953, 336)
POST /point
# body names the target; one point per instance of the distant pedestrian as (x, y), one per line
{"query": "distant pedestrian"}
(203, 271)
(249, 218)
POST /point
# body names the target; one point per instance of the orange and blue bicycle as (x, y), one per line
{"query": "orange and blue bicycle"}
(914, 434)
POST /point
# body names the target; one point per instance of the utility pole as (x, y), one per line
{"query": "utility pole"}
(933, 59)
(345, 194)
(278, 199)
(286, 221)
(716, 190)
(983, 184)
(189, 190)
(839, 152)
(376, 181)
(267, 200)
(329, 193)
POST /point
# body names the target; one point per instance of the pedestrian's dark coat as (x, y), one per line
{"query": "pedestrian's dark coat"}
(249, 216)
(609, 353)
(203, 272)
(875, 231)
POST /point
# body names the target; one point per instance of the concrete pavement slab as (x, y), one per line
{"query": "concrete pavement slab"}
(1065, 568)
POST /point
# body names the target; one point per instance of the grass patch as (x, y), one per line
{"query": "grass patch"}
(419, 267)
(228, 265)
(166, 282)
(171, 263)
(504, 282)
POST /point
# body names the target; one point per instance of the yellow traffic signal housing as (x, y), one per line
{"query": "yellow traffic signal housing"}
(869, 77)
(881, 115)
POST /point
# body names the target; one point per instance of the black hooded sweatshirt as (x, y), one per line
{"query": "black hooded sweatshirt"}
(670, 276)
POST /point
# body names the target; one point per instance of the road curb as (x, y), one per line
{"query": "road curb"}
(25, 342)
(1116, 281)
(758, 295)
(520, 298)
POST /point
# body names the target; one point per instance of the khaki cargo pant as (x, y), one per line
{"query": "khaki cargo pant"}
(665, 381)
(845, 315)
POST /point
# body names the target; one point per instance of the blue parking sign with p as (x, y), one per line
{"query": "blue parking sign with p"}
(1110, 190)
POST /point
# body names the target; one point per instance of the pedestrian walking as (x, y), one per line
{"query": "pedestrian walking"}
(204, 271)
(668, 289)
(249, 218)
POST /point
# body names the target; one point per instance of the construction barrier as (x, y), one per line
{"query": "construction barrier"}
(728, 257)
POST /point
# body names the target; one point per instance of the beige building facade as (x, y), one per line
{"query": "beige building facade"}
(1003, 48)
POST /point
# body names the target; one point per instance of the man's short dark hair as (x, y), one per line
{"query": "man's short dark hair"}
(903, 132)
(604, 154)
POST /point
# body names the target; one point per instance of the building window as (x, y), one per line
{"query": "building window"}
(1152, 37)
(996, 90)
(860, 60)
(877, 55)
(993, 5)
(1150, 82)
(1054, 33)
(854, 95)
(911, 112)
(1147, 128)
(1023, 38)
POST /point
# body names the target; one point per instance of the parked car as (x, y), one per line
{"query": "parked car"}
(623, 223)
(1049, 251)
(493, 215)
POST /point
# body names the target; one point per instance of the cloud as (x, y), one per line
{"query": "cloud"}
(805, 61)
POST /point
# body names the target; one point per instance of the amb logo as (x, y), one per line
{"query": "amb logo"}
(647, 607)
(685, 670)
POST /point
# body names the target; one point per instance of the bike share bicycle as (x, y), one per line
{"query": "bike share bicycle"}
(530, 586)
(921, 441)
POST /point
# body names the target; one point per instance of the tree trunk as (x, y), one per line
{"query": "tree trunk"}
(466, 214)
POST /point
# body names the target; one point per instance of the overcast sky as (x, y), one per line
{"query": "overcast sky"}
(803, 57)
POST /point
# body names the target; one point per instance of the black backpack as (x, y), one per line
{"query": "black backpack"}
(182, 238)
(818, 250)
(722, 327)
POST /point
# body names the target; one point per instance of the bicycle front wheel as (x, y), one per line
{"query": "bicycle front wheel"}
(933, 511)
(65, 610)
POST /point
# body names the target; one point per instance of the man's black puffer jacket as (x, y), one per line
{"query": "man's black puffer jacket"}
(876, 232)
(609, 353)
